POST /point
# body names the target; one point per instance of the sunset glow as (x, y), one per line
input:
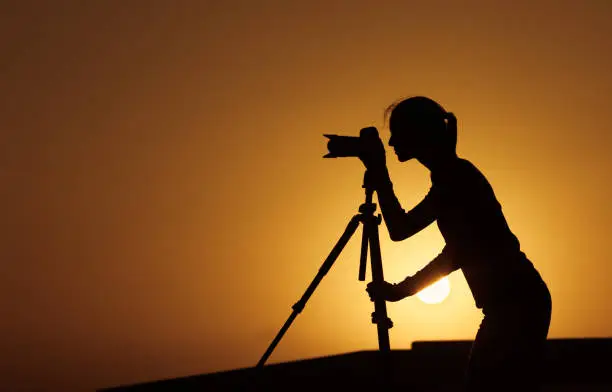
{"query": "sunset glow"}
(435, 293)
(165, 200)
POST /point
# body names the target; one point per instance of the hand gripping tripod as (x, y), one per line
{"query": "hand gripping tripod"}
(369, 237)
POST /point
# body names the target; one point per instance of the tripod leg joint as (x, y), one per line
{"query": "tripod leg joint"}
(298, 306)
(382, 321)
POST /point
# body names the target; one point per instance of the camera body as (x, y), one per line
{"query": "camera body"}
(350, 146)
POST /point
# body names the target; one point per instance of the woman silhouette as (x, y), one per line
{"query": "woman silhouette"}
(508, 349)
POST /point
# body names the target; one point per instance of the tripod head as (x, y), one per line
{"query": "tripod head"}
(368, 185)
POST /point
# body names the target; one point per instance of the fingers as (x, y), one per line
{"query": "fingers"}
(373, 291)
(370, 289)
(378, 290)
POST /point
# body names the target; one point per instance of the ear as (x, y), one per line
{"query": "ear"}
(450, 119)
(451, 129)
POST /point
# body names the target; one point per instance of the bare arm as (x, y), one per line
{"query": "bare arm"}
(438, 268)
(401, 224)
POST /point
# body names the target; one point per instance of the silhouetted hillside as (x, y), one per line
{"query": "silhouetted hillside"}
(571, 365)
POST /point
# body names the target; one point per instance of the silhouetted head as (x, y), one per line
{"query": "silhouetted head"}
(422, 129)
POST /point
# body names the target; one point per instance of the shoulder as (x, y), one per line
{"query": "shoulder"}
(464, 178)
(472, 179)
(464, 167)
(461, 172)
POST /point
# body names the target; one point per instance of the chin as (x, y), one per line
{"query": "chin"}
(404, 157)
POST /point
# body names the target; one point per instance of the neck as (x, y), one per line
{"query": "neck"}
(436, 163)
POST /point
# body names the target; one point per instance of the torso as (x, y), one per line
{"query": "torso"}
(477, 235)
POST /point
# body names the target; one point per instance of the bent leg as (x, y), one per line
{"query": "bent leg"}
(509, 349)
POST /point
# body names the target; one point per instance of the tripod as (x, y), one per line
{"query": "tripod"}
(369, 238)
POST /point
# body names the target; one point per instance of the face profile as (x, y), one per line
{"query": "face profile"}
(418, 129)
(404, 143)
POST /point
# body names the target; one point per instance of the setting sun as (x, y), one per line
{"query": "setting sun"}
(435, 293)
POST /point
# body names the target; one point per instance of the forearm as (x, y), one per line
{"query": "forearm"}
(401, 224)
(391, 209)
(438, 268)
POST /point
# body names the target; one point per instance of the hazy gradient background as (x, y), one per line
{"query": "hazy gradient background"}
(164, 200)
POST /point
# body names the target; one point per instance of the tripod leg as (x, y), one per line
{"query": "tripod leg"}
(325, 267)
(379, 317)
(363, 261)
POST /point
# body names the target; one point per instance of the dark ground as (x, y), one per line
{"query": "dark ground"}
(571, 365)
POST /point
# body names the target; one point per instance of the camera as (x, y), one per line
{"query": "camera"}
(350, 146)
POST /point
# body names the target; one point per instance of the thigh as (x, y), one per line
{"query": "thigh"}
(486, 357)
(508, 350)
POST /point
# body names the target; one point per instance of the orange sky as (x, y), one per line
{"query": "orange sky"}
(165, 202)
